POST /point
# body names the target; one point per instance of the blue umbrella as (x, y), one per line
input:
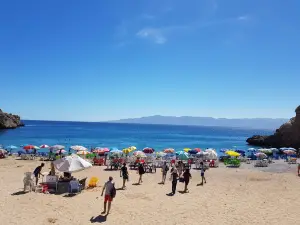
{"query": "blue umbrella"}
(192, 152)
(11, 147)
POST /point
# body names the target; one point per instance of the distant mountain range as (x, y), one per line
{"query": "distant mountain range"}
(255, 123)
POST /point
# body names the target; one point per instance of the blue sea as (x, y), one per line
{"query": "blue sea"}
(121, 136)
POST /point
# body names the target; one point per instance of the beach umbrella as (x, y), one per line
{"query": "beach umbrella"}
(202, 154)
(126, 151)
(113, 149)
(261, 155)
(61, 151)
(274, 149)
(289, 152)
(28, 147)
(182, 155)
(116, 152)
(186, 149)
(44, 146)
(292, 149)
(148, 150)
(132, 148)
(169, 150)
(3, 151)
(198, 149)
(232, 153)
(57, 147)
(11, 147)
(192, 152)
(36, 147)
(100, 150)
(160, 154)
(251, 149)
(78, 148)
(82, 152)
(139, 154)
(212, 154)
(72, 163)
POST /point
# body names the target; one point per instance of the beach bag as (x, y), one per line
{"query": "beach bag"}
(113, 192)
(167, 169)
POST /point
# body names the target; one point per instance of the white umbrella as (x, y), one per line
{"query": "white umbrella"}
(72, 163)
(78, 148)
(211, 153)
(57, 147)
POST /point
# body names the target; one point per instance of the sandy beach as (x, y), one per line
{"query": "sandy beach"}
(231, 196)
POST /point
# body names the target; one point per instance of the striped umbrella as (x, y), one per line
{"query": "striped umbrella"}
(44, 146)
(169, 150)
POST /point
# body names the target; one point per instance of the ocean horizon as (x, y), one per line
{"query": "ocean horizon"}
(122, 135)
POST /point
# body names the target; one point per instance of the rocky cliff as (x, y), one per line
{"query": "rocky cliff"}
(9, 121)
(288, 135)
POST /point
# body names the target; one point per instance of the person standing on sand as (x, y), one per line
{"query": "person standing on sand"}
(141, 171)
(202, 173)
(186, 176)
(110, 193)
(37, 173)
(164, 171)
(174, 178)
(124, 174)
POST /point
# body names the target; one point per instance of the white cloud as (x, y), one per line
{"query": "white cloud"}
(154, 34)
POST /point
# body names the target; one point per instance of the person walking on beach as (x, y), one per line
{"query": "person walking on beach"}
(141, 171)
(164, 171)
(202, 173)
(37, 173)
(174, 178)
(124, 174)
(110, 193)
(186, 176)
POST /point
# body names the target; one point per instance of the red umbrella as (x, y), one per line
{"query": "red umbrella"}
(148, 150)
(101, 150)
(197, 149)
(28, 147)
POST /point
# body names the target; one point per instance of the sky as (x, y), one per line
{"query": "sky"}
(102, 60)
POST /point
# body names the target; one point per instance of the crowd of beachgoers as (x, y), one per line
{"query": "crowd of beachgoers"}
(55, 171)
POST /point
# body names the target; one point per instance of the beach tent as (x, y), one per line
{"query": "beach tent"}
(70, 164)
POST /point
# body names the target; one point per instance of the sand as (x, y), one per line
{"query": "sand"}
(231, 196)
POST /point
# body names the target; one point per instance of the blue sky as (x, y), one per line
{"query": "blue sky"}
(101, 60)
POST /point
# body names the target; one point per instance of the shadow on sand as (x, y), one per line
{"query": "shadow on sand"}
(19, 193)
(98, 219)
(136, 184)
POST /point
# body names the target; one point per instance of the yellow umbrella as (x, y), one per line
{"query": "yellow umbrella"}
(186, 149)
(233, 153)
(132, 148)
(127, 150)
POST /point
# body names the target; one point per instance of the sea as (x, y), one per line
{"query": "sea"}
(114, 135)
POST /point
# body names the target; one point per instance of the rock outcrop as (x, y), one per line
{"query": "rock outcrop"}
(9, 121)
(288, 135)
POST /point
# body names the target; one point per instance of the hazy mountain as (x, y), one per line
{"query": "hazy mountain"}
(256, 123)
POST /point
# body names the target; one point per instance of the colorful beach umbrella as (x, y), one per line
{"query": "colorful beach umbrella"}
(61, 151)
(139, 154)
(192, 152)
(169, 150)
(289, 152)
(57, 147)
(232, 153)
(78, 148)
(186, 149)
(182, 155)
(198, 149)
(101, 150)
(126, 151)
(82, 152)
(44, 146)
(11, 147)
(160, 154)
(133, 148)
(148, 150)
(261, 155)
(116, 152)
(28, 147)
